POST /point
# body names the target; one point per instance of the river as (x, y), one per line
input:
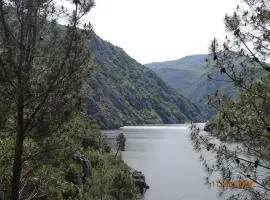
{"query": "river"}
(165, 155)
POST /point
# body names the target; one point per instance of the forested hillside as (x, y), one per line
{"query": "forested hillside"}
(190, 76)
(124, 92)
(184, 74)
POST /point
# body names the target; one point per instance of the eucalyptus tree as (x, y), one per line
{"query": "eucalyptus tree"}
(242, 122)
(43, 67)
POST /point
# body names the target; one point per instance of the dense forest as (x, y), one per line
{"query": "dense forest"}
(124, 92)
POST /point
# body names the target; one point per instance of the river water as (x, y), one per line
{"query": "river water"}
(166, 157)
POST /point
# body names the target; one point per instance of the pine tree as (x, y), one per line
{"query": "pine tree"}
(43, 67)
(241, 122)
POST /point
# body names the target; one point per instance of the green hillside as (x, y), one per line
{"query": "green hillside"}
(124, 92)
(189, 76)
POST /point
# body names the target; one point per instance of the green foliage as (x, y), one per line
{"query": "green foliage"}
(44, 67)
(120, 142)
(111, 178)
(52, 172)
(124, 92)
(195, 79)
(241, 123)
(46, 143)
(241, 127)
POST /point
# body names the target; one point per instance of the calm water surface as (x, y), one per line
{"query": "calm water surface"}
(165, 155)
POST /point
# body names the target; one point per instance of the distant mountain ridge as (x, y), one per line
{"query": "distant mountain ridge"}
(124, 92)
(189, 76)
(184, 74)
(182, 63)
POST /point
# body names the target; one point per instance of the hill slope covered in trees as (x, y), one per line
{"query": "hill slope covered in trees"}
(189, 75)
(124, 92)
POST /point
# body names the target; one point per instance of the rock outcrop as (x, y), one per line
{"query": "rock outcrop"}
(139, 180)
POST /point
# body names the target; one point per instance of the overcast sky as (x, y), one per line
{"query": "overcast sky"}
(161, 30)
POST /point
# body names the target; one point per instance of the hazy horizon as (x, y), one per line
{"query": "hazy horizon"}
(156, 31)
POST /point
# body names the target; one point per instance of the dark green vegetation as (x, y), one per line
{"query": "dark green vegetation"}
(120, 142)
(74, 162)
(124, 92)
(242, 124)
(190, 76)
(48, 148)
(186, 75)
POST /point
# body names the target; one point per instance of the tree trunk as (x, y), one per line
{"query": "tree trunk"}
(17, 167)
(116, 152)
(17, 163)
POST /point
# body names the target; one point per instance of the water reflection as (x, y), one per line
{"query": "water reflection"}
(166, 157)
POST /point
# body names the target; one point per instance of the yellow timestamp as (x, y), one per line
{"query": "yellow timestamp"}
(240, 184)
